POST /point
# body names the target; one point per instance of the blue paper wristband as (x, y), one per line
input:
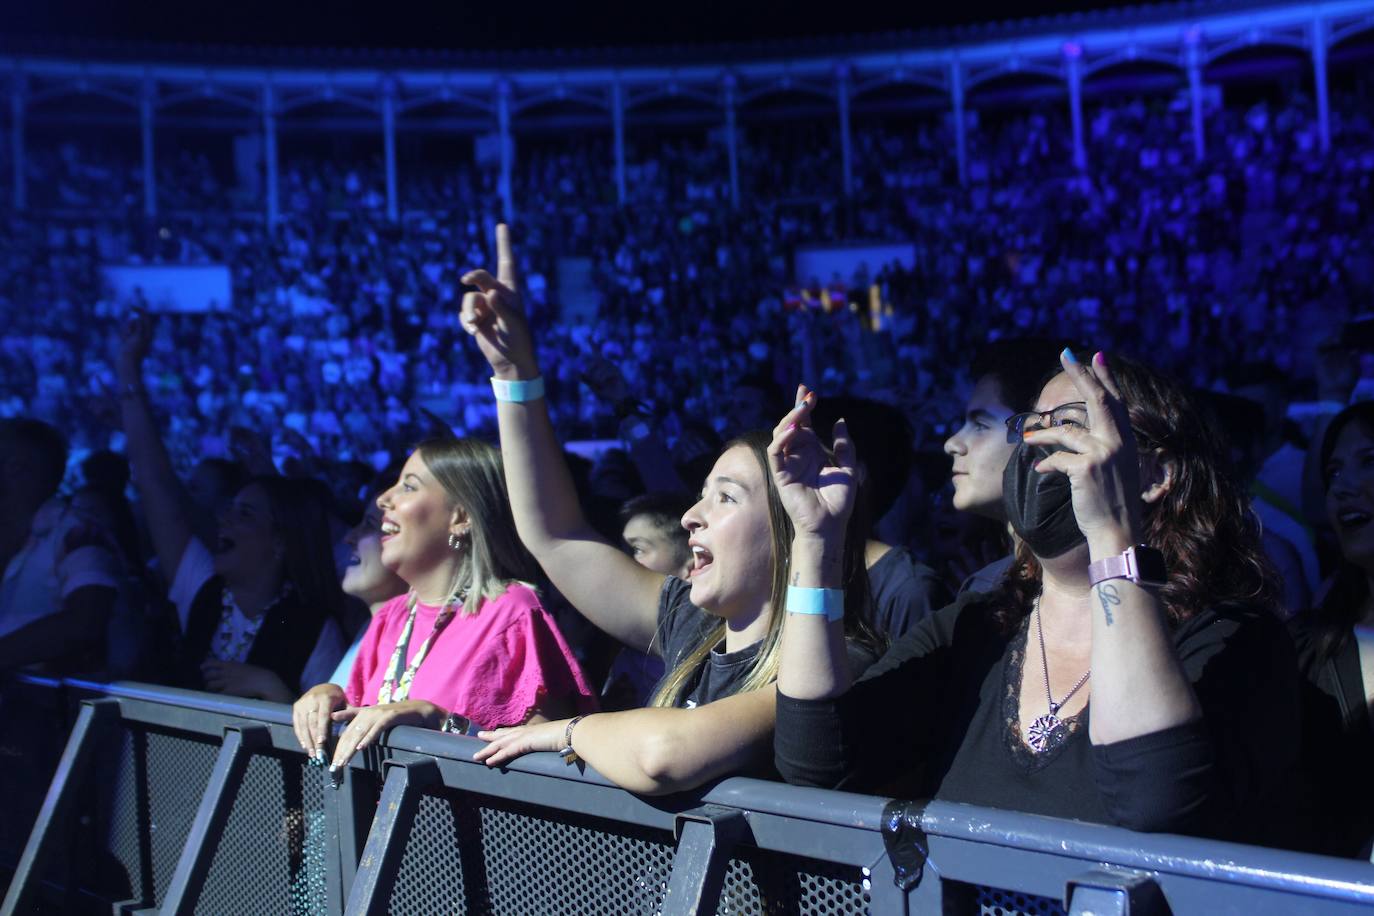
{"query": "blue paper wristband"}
(518, 391)
(821, 602)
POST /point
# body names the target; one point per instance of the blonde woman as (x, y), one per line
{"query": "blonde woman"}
(717, 631)
(469, 639)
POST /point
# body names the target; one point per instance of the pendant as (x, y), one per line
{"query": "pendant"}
(1042, 731)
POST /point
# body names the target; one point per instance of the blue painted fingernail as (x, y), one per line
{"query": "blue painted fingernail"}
(1069, 357)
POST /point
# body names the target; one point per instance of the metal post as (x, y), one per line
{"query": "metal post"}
(17, 93)
(503, 93)
(618, 123)
(1321, 36)
(371, 891)
(705, 840)
(56, 814)
(1073, 58)
(147, 100)
(347, 816)
(846, 143)
(389, 145)
(1193, 50)
(183, 892)
(269, 150)
(956, 93)
(731, 141)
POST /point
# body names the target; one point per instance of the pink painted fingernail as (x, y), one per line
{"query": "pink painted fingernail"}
(791, 426)
(1100, 358)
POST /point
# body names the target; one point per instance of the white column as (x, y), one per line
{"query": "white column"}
(731, 141)
(269, 151)
(503, 93)
(146, 102)
(956, 94)
(846, 142)
(618, 124)
(17, 92)
(389, 146)
(1321, 36)
(1073, 59)
(1193, 53)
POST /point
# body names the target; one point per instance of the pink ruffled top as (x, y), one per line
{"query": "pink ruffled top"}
(494, 667)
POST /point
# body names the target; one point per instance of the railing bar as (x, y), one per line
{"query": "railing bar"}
(55, 814)
(201, 842)
(381, 861)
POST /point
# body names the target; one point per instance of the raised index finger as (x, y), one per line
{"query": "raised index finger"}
(1091, 389)
(505, 258)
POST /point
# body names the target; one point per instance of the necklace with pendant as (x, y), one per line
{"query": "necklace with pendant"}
(1044, 729)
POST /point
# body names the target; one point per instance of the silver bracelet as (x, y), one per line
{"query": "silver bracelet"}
(566, 751)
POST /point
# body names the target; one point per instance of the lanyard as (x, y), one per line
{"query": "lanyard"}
(396, 684)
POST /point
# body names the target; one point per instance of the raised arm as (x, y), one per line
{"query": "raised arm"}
(818, 491)
(657, 750)
(1139, 686)
(160, 490)
(605, 585)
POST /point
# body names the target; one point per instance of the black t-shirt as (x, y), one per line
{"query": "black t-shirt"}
(1337, 739)
(905, 592)
(682, 627)
(938, 717)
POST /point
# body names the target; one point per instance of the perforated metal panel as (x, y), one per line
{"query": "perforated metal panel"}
(760, 882)
(993, 901)
(487, 856)
(151, 791)
(270, 858)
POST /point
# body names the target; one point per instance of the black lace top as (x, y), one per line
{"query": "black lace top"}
(937, 716)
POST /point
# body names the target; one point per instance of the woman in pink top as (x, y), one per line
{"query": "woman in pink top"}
(469, 639)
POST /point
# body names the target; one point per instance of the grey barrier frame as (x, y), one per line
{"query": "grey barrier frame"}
(941, 847)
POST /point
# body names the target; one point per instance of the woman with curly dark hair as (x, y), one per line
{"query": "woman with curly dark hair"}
(1335, 643)
(1139, 587)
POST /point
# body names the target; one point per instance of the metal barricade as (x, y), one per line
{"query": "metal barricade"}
(181, 802)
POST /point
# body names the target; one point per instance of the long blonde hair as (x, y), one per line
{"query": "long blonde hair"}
(470, 472)
(764, 671)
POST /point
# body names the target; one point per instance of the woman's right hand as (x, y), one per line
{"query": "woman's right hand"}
(135, 337)
(495, 316)
(310, 717)
(817, 488)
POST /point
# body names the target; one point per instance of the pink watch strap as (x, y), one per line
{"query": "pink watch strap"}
(1109, 568)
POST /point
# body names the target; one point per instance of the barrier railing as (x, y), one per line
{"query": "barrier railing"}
(172, 801)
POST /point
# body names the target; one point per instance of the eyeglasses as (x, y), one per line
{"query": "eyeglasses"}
(1074, 413)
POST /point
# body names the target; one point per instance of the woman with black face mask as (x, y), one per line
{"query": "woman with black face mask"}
(1128, 671)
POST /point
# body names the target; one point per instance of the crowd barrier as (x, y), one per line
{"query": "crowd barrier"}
(170, 801)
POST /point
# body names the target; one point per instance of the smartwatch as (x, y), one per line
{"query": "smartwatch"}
(1140, 564)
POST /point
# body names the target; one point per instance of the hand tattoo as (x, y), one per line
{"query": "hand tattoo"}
(1106, 593)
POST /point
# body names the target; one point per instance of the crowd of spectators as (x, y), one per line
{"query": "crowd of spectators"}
(343, 325)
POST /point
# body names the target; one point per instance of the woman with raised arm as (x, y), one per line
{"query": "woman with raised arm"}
(1140, 595)
(251, 607)
(469, 640)
(717, 632)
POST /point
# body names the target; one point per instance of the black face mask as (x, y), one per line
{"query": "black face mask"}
(1039, 506)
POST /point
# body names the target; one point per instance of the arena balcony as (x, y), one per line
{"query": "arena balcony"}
(1078, 56)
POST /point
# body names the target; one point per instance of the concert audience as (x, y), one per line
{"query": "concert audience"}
(717, 632)
(469, 642)
(1187, 668)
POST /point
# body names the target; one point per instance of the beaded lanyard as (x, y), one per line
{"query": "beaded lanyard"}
(396, 684)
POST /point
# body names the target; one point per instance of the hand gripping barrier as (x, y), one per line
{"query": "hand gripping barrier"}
(174, 801)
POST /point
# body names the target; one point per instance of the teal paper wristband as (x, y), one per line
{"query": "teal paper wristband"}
(821, 602)
(518, 391)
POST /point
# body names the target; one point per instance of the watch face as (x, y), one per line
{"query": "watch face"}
(1149, 565)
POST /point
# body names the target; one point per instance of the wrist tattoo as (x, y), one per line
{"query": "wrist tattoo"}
(1106, 593)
